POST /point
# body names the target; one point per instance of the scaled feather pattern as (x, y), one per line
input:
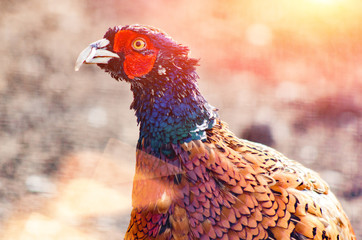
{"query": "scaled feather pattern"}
(194, 178)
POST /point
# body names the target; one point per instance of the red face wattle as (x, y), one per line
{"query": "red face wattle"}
(139, 52)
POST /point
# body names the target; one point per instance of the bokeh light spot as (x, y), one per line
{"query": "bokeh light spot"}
(324, 1)
(39, 184)
(258, 34)
(97, 117)
(38, 223)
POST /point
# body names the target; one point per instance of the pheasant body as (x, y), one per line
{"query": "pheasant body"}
(194, 179)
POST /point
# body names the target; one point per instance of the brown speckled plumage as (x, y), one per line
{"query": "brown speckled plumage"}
(229, 188)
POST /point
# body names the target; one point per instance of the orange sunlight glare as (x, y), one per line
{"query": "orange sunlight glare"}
(324, 1)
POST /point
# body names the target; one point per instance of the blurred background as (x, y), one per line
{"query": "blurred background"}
(284, 73)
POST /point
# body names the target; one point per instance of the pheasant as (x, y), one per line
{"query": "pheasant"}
(194, 178)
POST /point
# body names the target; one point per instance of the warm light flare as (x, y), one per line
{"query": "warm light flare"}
(325, 1)
(38, 223)
(258, 34)
(86, 197)
(39, 226)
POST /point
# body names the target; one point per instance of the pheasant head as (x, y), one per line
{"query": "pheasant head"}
(168, 104)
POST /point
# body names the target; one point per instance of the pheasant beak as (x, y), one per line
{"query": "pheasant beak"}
(95, 54)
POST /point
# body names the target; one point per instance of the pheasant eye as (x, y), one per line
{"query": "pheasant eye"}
(139, 44)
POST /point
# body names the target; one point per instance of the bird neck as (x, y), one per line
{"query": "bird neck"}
(170, 110)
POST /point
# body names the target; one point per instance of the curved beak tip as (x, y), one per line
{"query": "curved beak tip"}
(95, 54)
(77, 67)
